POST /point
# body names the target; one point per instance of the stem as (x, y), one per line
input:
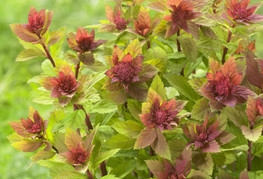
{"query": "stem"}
(90, 127)
(87, 119)
(53, 147)
(225, 50)
(148, 44)
(249, 159)
(103, 168)
(178, 43)
(151, 154)
(77, 71)
(89, 174)
(48, 54)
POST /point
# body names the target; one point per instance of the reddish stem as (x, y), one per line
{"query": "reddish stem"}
(249, 158)
(48, 54)
(151, 154)
(225, 50)
(89, 174)
(77, 71)
(87, 119)
(103, 168)
(53, 147)
(178, 43)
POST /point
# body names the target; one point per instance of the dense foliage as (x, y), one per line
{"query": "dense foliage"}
(174, 93)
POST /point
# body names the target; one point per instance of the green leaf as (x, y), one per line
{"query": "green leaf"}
(56, 116)
(155, 166)
(104, 106)
(201, 109)
(107, 118)
(134, 107)
(55, 49)
(204, 162)
(47, 68)
(123, 168)
(128, 128)
(120, 141)
(42, 155)
(237, 115)
(251, 134)
(103, 156)
(189, 47)
(74, 120)
(43, 97)
(109, 177)
(134, 48)
(158, 86)
(158, 63)
(160, 145)
(182, 86)
(29, 54)
(156, 53)
(56, 36)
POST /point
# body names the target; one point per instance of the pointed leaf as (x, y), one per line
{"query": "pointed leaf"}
(251, 134)
(158, 86)
(134, 48)
(145, 138)
(160, 145)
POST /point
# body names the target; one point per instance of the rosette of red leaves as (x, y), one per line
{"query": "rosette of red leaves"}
(64, 86)
(38, 23)
(116, 18)
(182, 11)
(165, 170)
(240, 12)
(159, 113)
(254, 70)
(127, 76)
(83, 41)
(79, 150)
(32, 130)
(34, 126)
(223, 85)
(206, 137)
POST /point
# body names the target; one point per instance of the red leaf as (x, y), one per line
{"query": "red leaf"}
(160, 145)
(145, 138)
(23, 33)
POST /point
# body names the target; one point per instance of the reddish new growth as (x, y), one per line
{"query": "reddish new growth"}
(159, 113)
(223, 85)
(240, 12)
(83, 41)
(116, 17)
(30, 128)
(77, 155)
(125, 71)
(63, 87)
(165, 170)
(38, 23)
(143, 23)
(120, 22)
(181, 11)
(205, 136)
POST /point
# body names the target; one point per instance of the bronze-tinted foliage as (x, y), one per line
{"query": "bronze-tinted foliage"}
(181, 11)
(63, 87)
(166, 170)
(33, 127)
(206, 137)
(38, 23)
(223, 85)
(160, 113)
(83, 41)
(128, 75)
(240, 12)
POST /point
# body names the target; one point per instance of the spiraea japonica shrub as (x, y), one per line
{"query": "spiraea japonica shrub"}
(173, 93)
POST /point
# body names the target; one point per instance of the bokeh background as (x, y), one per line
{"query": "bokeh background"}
(15, 94)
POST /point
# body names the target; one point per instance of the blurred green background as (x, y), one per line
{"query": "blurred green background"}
(16, 94)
